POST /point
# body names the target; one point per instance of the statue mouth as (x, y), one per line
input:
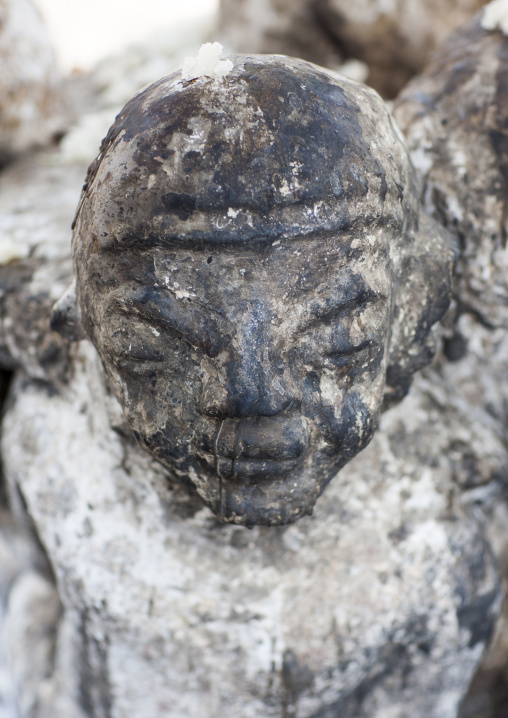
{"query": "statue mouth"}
(247, 470)
(255, 448)
(255, 469)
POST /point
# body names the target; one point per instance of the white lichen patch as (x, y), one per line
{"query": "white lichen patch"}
(495, 16)
(178, 291)
(422, 160)
(285, 189)
(207, 63)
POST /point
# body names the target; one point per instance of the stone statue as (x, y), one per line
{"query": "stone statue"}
(253, 302)
(246, 250)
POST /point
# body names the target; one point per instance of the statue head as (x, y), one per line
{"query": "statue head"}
(255, 273)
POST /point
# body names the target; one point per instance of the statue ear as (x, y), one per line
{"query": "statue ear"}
(422, 279)
(66, 316)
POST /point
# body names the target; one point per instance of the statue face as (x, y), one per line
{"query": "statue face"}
(254, 373)
(251, 266)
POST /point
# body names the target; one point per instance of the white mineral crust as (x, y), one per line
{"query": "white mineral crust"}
(495, 16)
(207, 63)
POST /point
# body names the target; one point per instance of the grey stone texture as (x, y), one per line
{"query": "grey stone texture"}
(290, 27)
(382, 601)
(395, 39)
(453, 116)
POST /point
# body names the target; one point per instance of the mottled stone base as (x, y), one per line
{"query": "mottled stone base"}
(379, 605)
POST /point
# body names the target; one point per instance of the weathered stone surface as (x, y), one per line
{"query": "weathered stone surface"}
(394, 39)
(31, 621)
(378, 602)
(30, 101)
(29, 617)
(453, 116)
(454, 119)
(36, 202)
(290, 27)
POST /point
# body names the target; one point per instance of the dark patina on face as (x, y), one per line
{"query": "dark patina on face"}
(254, 272)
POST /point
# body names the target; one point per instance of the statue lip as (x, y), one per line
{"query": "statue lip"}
(247, 469)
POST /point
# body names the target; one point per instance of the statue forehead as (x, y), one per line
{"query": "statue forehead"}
(278, 147)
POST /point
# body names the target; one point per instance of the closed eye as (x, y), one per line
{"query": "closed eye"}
(135, 344)
(343, 357)
(366, 356)
(171, 319)
(328, 315)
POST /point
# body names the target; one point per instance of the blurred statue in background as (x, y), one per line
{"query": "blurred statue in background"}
(30, 92)
(394, 39)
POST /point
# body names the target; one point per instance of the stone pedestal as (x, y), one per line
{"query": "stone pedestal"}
(383, 600)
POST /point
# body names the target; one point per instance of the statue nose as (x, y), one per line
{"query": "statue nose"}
(251, 379)
(246, 389)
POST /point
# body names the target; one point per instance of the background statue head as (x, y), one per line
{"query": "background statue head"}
(255, 273)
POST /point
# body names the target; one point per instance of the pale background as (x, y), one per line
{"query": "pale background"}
(84, 32)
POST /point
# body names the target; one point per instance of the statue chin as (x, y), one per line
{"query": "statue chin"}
(272, 502)
(268, 493)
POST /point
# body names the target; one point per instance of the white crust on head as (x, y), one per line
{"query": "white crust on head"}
(207, 63)
(495, 16)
